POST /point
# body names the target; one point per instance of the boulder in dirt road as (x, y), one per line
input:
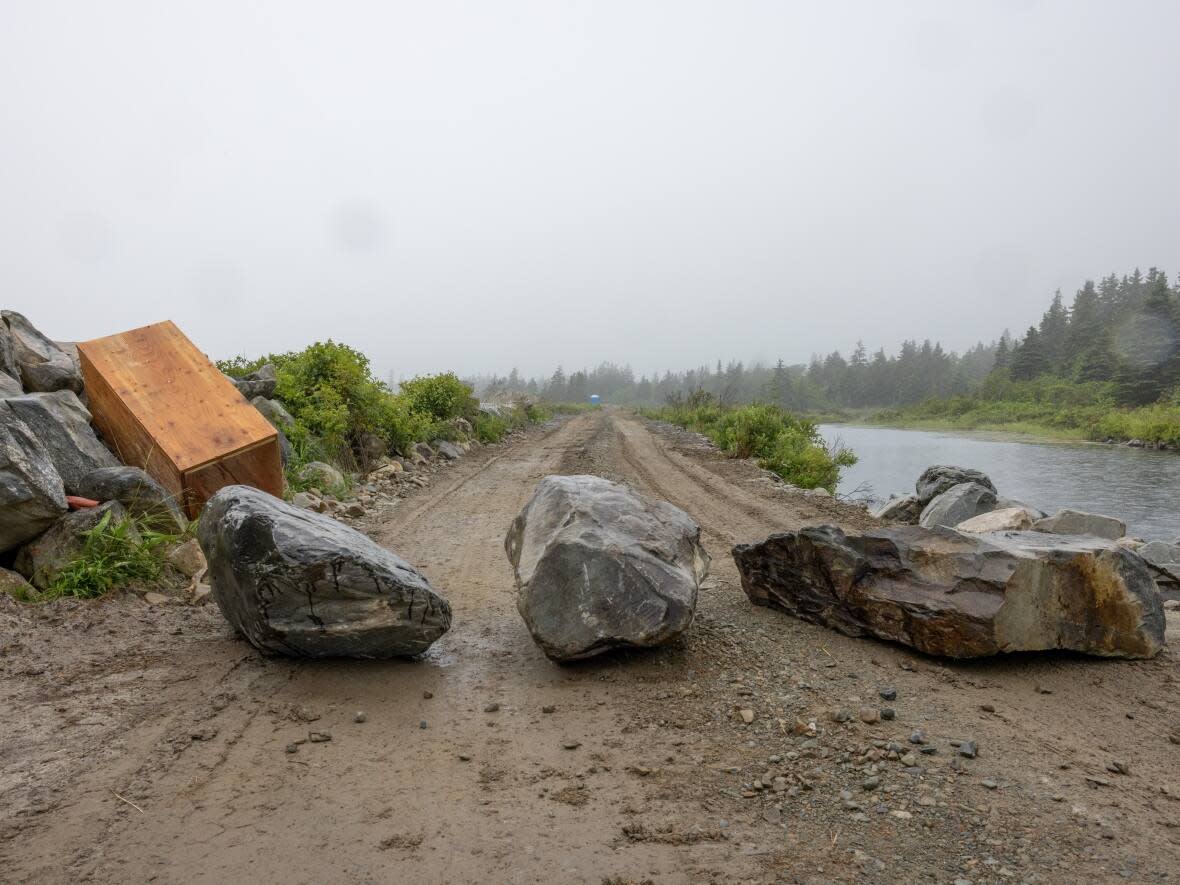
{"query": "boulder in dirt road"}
(961, 596)
(32, 497)
(14, 584)
(138, 492)
(62, 425)
(1010, 519)
(43, 558)
(600, 567)
(1078, 522)
(905, 510)
(958, 504)
(942, 477)
(299, 583)
(44, 367)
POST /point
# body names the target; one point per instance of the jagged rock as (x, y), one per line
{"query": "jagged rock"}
(447, 449)
(14, 584)
(258, 383)
(32, 496)
(44, 367)
(958, 504)
(599, 567)
(961, 596)
(323, 476)
(138, 492)
(8, 364)
(906, 510)
(942, 477)
(43, 558)
(1010, 519)
(421, 452)
(299, 583)
(9, 386)
(62, 426)
(1078, 522)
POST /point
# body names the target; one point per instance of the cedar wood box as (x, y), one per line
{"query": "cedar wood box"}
(164, 407)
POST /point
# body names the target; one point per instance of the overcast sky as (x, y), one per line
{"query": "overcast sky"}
(487, 185)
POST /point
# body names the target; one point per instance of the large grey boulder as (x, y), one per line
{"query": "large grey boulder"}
(958, 504)
(599, 567)
(62, 425)
(8, 364)
(43, 366)
(31, 493)
(961, 596)
(1078, 522)
(943, 477)
(43, 558)
(258, 383)
(905, 510)
(138, 492)
(299, 583)
(9, 386)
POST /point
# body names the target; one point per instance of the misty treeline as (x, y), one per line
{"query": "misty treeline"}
(917, 372)
(1119, 338)
(1121, 331)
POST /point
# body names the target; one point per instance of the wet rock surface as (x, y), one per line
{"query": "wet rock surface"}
(599, 567)
(950, 594)
(943, 477)
(1078, 522)
(298, 583)
(32, 497)
(138, 492)
(43, 366)
(62, 427)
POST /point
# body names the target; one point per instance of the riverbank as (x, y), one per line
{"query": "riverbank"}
(1156, 426)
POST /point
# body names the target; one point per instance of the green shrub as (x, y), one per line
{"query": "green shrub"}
(114, 554)
(790, 446)
(442, 397)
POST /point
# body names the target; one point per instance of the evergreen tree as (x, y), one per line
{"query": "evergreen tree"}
(1053, 331)
(1029, 360)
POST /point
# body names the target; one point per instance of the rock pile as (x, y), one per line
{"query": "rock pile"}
(600, 567)
(959, 595)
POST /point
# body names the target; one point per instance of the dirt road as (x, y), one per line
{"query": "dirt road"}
(148, 744)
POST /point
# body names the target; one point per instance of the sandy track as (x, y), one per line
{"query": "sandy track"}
(188, 724)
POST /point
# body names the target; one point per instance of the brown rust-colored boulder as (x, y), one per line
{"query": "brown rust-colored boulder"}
(960, 596)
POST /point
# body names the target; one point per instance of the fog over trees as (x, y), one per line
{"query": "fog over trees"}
(1122, 330)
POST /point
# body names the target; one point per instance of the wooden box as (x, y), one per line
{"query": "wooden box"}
(165, 407)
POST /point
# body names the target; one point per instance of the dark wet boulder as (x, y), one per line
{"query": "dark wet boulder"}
(600, 567)
(298, 583)
(62, 425)
(943, 477)
(43, 558)
(43, 365)
(138, 492)
(961, 596)
(958, 504)
(32, 496)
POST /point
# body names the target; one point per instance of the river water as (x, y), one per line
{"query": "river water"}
(1138, 486)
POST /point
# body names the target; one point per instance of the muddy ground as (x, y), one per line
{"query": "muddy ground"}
(148, 744)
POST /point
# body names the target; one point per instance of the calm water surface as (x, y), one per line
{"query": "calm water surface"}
(1140, 487)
